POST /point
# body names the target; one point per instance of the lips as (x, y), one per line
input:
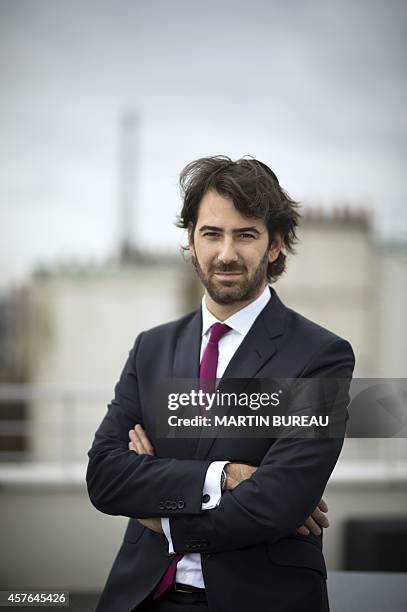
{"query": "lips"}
(227, 275)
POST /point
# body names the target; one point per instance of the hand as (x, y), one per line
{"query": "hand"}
(317, 520)
(152, 523)
(139, 442)
(236, 473)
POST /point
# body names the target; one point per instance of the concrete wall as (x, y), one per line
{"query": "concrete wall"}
(81, 331)
(391, 332)
(332, 281)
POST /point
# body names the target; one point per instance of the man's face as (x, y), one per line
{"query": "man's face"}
(230, 252)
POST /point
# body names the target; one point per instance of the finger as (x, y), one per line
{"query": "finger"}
(320, 518)
(303, 530)
(140, 446)
(136, 442)
(144, 439)
(134, 437)
(323, 505)
(133, 447)
(312, 526)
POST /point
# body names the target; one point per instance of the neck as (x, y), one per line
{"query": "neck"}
(224, 311)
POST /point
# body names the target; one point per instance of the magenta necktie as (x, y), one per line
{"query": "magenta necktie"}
(209, 363)
(207, 376)
(168, 578)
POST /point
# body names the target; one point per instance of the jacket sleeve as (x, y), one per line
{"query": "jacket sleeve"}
(121, 482)
(284, 490)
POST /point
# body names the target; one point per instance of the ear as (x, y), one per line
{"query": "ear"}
(191, 239)
(275, 247)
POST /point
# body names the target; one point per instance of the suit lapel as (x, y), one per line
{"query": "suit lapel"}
(186, 364)
(188, 348)
(257, 348)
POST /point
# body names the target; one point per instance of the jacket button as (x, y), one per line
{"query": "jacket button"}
(181, 504)
(206, 498)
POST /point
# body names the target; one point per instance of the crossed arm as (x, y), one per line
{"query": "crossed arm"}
(262, 504)
(235, 474)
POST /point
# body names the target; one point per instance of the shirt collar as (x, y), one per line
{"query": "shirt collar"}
(242, 320)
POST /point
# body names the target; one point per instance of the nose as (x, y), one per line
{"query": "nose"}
(228, 252)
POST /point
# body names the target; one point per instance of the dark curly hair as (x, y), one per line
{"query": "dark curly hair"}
(255, 191)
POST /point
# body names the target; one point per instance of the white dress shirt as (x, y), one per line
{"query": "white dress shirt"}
(189, 568)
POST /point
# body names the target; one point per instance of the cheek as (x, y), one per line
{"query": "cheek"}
(254, 256)
(204, 253)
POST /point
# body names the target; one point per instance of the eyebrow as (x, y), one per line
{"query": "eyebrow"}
(240, 230)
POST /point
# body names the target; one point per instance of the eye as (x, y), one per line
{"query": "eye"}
(246, 236)
(211, 234)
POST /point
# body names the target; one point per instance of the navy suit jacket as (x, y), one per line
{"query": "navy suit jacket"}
(252, 556)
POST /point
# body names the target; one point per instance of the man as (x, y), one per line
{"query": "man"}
(221, 524)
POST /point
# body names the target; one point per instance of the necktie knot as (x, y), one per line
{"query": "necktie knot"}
(218, 330)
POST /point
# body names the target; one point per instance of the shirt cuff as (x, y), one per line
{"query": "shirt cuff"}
(165, 524)
(212, 493)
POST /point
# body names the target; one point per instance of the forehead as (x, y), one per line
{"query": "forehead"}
(218, 210)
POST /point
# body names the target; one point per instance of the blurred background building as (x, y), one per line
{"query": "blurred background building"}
(90, 257)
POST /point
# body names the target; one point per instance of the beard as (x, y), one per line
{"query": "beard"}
(242, 289)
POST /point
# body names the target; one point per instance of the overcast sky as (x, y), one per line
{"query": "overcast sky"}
(316, 89)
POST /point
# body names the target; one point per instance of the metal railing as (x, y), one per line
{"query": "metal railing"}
(56, 424)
